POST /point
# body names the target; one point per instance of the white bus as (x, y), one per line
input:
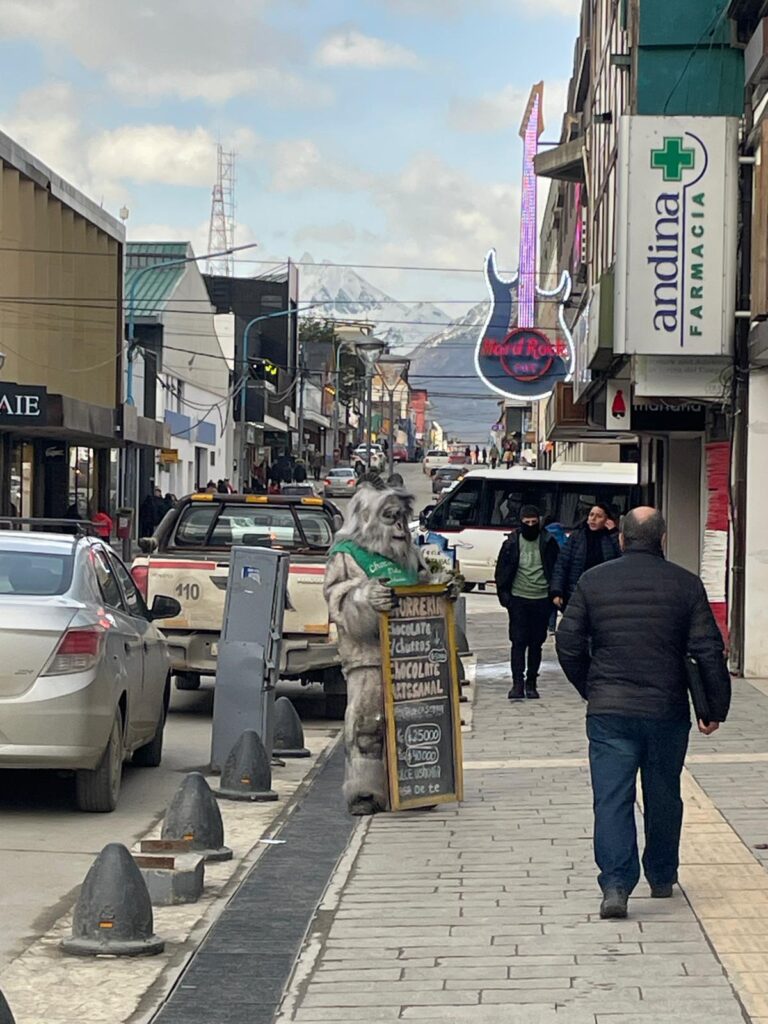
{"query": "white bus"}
(477, 515)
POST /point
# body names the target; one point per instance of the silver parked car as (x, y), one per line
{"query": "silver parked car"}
(84, 672)
(340, 482)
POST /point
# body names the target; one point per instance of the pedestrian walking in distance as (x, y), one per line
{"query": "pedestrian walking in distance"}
(523, 573)
(623, 643)
(593, 542)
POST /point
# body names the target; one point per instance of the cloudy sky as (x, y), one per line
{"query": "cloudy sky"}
(367, 131)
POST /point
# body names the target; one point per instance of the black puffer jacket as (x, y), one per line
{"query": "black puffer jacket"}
(508, 562)
(623, 640)
(573, 559)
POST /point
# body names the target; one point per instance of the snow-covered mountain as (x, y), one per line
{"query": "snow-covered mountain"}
(343, 294)
(445, 365)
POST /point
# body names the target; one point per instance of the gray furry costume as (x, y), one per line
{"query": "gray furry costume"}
(377, 522)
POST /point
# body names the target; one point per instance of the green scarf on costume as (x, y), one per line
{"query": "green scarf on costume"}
(376, 567)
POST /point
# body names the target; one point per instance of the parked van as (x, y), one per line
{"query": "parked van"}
(477, 515)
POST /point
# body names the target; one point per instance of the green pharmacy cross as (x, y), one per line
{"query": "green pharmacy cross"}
(672, 159)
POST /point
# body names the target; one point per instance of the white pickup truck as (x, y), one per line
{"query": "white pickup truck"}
(188, 558)
(434, 459)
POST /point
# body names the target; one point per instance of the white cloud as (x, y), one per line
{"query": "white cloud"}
(49, 122)
(157, 153)
(182, 48)
(433, 213)
(350, 48)
(503, 110)
(441, 8)
(299, 164)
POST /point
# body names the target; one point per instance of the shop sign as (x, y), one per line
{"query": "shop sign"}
(676, 236)
(657, 415)
(23, 405)
(168, 455)
(513, 357)
(618, 405)
(682, 376)
(582, 376)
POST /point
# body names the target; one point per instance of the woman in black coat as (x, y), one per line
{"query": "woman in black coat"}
(594, 542)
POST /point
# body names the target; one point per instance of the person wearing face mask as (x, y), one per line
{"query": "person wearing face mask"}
(593, 542)
(523, 573)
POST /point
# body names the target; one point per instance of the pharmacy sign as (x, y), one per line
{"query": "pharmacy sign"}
(676, 236)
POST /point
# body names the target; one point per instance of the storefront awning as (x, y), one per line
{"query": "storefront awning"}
(564, 162)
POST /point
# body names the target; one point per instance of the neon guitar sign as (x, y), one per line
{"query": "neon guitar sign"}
(514, 357)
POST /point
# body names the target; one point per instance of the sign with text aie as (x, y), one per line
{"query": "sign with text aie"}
(676, 236)
(421, 699)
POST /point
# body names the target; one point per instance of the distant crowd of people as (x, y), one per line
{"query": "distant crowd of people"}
(507, 455)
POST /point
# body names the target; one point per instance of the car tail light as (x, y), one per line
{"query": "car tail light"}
(79, 651)
(327, 483)
(140, 574)
(351, 483)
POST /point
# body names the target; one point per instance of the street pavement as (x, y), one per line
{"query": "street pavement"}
(47, 845)
(488, 912)
(481, 913)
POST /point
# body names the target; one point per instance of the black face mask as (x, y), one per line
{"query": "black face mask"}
(530, 532)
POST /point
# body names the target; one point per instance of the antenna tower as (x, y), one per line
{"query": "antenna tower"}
(221, 234)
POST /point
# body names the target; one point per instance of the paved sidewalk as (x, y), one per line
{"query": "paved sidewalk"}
(488, 912)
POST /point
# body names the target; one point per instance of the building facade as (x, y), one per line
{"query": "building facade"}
(62, 415)
(181, 377)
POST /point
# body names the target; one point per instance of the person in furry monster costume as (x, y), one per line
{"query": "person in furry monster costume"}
(373, 552)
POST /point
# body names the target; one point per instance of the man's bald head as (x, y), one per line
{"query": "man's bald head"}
(643, 527)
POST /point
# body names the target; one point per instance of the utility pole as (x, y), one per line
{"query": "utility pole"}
(301, 400)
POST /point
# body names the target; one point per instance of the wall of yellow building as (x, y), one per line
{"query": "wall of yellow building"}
(60, 295)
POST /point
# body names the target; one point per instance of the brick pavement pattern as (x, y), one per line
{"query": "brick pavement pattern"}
(489, 912)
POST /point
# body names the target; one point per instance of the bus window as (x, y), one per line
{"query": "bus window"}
(577, 499)
(504, 499)
(459, 509)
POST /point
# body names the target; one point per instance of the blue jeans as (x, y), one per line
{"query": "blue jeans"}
(619, 747)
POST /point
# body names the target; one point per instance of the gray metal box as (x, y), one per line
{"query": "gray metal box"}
(249, 650)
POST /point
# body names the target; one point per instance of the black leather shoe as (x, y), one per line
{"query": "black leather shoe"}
(662, 892)
(531, 692)
(517, 692)
(614, 904)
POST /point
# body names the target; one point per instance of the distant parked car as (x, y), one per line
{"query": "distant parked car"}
(303, 490)
(84, 671)
(400, 453)
(378, 458)
(457, 459)
(434, 458)
(444, 476)
(340, 482)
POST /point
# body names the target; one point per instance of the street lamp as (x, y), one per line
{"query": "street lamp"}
(370, 352)
(392, 370)
(244, 388)
(164, 265)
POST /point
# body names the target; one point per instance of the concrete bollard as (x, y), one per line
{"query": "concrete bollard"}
(246, 774)
(288, 732)
(194, 816)
(172, 878)
(113, 914)
(6, 1017)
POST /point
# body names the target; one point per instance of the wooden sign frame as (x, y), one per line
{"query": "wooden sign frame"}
(427, 800)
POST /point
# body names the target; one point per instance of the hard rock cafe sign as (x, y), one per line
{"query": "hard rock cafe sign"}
(515, 357)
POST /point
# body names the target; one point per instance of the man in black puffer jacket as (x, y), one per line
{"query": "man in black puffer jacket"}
(594, 542)
(623, 643)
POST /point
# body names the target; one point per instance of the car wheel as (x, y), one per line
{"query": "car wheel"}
(187, 681)
(97, 791)
(151, 754)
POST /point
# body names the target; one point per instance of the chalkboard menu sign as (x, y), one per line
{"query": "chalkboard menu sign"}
(421, 699)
